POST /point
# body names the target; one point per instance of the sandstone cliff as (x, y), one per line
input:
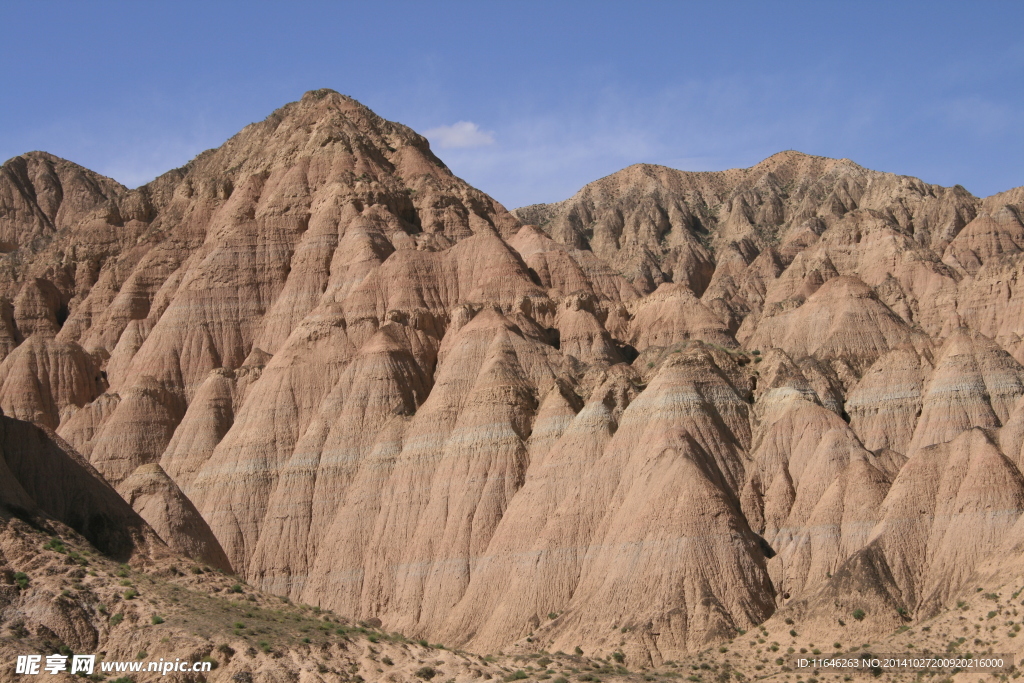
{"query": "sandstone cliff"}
(639, 421)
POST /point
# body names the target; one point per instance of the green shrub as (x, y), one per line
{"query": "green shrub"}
(21, 578)
(426, 672)
(116, 619)
(578, 650)
(519, 675)
(56, 545)
(156, 619)
(237, 588)
(124, 570)
(619, 657)
(131, 594)
(265, 646)
(386, 661)
(859, 614)
(142, 654)
(560, 679)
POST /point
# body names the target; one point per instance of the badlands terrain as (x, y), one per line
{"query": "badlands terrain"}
(318, 403)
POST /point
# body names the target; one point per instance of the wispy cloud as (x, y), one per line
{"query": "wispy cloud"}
(547, 154)
(459, 135)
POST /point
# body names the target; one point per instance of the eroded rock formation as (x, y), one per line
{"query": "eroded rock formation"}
(640, 419)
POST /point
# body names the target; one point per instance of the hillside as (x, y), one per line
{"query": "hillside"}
(639, 421)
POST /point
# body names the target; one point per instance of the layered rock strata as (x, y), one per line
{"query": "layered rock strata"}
(638, 420)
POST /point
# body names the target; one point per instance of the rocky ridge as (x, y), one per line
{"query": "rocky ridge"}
(636, 421)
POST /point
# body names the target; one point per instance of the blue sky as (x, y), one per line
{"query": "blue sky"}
(531, 100)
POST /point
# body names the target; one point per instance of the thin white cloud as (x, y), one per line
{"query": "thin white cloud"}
(459, 135)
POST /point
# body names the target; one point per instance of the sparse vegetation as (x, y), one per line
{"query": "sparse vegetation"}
(56, 545)
(859, 614)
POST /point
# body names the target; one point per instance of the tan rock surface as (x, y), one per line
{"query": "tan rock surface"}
(671, 404)
(160, 502)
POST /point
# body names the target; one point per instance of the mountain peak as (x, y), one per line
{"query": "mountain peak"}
(316, 357)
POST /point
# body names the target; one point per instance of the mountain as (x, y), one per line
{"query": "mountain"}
(639, 421)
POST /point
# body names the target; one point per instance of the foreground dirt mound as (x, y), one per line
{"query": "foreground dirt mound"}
(637, 422)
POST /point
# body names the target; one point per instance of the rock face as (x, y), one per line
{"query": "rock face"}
(160, 502)
(43, 480)
(637, 420)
